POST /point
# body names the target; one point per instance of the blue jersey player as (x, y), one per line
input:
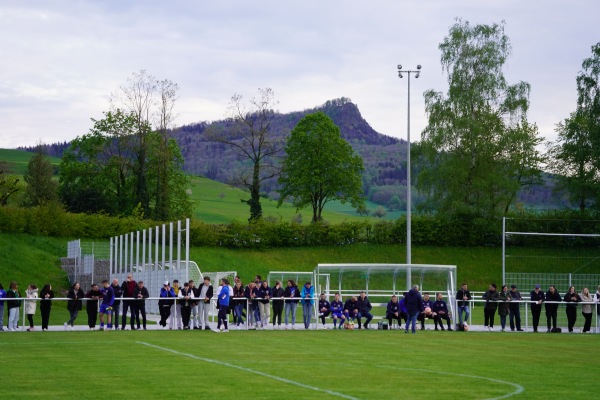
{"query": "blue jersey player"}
(108, 299)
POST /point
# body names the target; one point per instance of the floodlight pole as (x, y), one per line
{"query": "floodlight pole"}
(408, 180)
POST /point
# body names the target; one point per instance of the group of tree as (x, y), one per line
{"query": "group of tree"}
(576, 152)
(318, 166)
(128, 163)
(478, 148)
(477, 152)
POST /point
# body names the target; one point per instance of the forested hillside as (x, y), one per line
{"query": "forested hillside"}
(384, 157)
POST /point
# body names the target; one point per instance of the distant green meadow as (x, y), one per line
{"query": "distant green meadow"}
(298, 364)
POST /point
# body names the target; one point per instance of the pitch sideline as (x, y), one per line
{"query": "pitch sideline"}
(278, 378)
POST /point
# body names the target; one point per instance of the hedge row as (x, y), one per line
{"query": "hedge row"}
(52, 220)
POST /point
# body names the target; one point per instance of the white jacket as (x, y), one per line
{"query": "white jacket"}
(30, 306)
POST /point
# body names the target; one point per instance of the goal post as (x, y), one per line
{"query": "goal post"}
(381, 281)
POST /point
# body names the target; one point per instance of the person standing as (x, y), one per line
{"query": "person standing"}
(140, 294)
(224, 294)
(251, 293)
(195, 322)
(31, 305)
(514, 308)
(364, 310)
(292, 294)
(75, 304)
(45, 305)
(414, 306)
(504, 298)
(164, 303)
(277, 304)
(2, 297)
(206, 294)
(13, 306)
(551, 307)
(463, 296)
(537, 297)
(491, 304)
(187, 297)
(175, 322)
(571, 298)
(586, 309)
(91, 305)
(108, 299)
(308, 301)
(128, 288)
(238, 302)
(118, 291)
(264, 303)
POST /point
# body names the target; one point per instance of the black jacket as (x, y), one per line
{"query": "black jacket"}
(75, 304)
(491, 298)
(11, 294)
(413, 301)
(572, 299)
(144, 292)
(118, 290)
(539, 296)
(364, 305)
(46, 303)
(552, 297)
(459, 297)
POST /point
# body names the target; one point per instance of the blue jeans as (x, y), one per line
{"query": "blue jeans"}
(290, 308)
(307, 309)
(366, 315)
(467, 312)
(238, 310)
(73, 315)
(412, 320)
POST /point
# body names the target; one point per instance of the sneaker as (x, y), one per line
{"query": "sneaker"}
(206, 328)
(286, 328)
(65, 325)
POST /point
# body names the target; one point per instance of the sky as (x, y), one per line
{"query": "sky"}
(60, 60)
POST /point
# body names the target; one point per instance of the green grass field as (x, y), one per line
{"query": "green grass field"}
(297, 364)
(218, 203)
(17, 160)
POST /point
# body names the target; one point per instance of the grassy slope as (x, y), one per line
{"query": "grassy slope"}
(217, 202)
(273, 365)
(35, 259)
(19, 159)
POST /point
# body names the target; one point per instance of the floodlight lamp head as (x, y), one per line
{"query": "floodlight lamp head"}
(419, 66)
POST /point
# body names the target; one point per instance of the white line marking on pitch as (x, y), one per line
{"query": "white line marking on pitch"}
(518, 388)
(277, 378)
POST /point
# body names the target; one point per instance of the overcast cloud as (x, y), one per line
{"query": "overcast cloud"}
(60, 60)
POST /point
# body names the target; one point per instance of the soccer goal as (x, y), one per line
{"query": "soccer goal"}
(381, 281)
(559, 253)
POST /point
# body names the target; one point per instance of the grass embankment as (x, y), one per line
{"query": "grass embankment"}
(17, 160)
(218, 203)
